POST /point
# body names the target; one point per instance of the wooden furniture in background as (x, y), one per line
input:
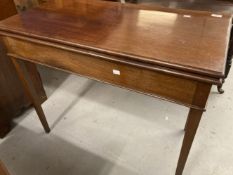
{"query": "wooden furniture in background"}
(172, 56)
(3, 169)
(22, 5)
(13, 100)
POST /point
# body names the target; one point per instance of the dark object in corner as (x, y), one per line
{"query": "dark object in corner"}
(12, 98)
(3, 170)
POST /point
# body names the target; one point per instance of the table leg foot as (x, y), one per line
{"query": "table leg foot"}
(30, 91)
(192, 123)
(220, 90)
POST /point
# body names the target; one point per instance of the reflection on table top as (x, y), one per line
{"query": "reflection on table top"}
(181, 39)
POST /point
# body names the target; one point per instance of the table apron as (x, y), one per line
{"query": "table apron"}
(162, 85)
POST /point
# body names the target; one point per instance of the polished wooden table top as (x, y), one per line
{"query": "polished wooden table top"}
(190, 41)
(176, 55)
(215, 6)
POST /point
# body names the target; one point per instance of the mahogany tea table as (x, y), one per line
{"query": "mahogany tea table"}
(175, 55)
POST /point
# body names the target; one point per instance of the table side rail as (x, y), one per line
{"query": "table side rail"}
(165, 86)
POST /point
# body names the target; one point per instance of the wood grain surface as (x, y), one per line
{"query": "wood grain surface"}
(176, 55)
(185, 40)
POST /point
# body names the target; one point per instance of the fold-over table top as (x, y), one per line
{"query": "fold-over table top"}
(178, 39)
